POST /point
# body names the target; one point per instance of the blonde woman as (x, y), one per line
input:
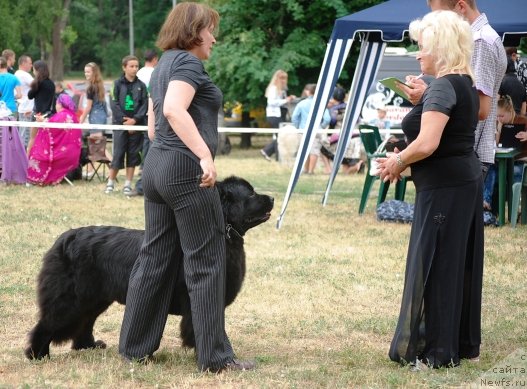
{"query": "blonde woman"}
(276, 112)
(96, 109)
(440, 318)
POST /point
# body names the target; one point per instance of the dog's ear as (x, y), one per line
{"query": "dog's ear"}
(225, 195)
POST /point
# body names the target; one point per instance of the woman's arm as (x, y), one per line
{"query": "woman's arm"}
(432, 125)
(31, 93)
(86, 111)
(178, 97)
(151, 120)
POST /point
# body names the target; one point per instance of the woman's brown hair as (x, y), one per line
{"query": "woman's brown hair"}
(183, 25)
(42, 73)
(96, 85)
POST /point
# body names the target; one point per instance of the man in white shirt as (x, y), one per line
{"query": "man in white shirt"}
(25, 106)
(145, 72)
(144, 75)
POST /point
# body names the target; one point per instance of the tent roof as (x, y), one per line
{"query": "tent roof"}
(392, 18)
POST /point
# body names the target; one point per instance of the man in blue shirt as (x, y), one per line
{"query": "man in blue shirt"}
(10, 88)
(299, 119)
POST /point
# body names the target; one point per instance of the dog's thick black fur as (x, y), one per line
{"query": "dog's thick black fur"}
(88, 268)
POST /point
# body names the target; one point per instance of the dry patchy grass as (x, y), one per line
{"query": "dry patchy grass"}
(318, 307)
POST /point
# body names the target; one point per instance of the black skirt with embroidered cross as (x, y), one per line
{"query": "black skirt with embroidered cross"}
(440, 317)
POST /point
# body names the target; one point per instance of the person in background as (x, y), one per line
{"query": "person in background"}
(59, 89)
(144, 75)
(337, 107)
(489, 62)
(55, 151)
(10, 57)
(184, 226)
(507, 120)
(146, 71)
(129, 106)
(351, 162)
(512, 87)
(380, 121)
(95, 109)
(10, 88)
(299, 119)
(25, 106)
(42, 90)
(440, 318)
(276, 111)
(521, 67)
(14, 161)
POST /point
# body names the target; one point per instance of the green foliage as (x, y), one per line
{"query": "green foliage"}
(109, 41)
(9, 22)
(258, 38)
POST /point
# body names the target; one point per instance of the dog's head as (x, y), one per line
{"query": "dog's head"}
(243, 208)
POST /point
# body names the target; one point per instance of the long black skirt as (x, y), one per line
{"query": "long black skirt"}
(440, 318)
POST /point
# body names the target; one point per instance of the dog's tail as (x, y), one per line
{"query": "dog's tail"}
(55, 283)
(54, 286)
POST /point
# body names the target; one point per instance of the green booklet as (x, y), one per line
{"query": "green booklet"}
(393, 84)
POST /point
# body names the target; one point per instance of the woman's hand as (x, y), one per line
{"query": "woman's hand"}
(416, 90)
(522, 136)
(208, 178)
(389, 169)
(39, 117)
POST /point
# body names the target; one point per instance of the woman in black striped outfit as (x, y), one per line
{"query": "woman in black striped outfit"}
(183, 213)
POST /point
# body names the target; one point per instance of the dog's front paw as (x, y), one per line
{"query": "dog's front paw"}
(100, 344)
(32, 355)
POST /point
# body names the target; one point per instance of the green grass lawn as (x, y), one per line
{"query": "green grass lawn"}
(318, 307)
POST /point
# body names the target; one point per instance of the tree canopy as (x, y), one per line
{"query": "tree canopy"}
(256, 37)
(259, 37)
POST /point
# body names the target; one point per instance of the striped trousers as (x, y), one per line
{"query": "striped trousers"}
(182, 222)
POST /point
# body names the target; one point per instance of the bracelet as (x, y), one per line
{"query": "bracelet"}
(399, 161)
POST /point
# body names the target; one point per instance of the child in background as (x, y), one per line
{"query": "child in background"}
(129, 106)
(380, 121)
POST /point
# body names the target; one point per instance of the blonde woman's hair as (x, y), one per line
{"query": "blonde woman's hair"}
(275, 81)
(447, 37)
(182, 27)
(96, 84)
(505, 103)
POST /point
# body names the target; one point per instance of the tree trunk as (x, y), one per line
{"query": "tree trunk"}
(245, 141)
(57, 54)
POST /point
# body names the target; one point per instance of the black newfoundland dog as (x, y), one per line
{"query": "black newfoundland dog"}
(88, 268)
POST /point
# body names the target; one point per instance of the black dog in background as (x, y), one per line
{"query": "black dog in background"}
(88, 268)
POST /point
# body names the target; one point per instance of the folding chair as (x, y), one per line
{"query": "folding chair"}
(519, 191)
(97, 158)
(371, 140)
